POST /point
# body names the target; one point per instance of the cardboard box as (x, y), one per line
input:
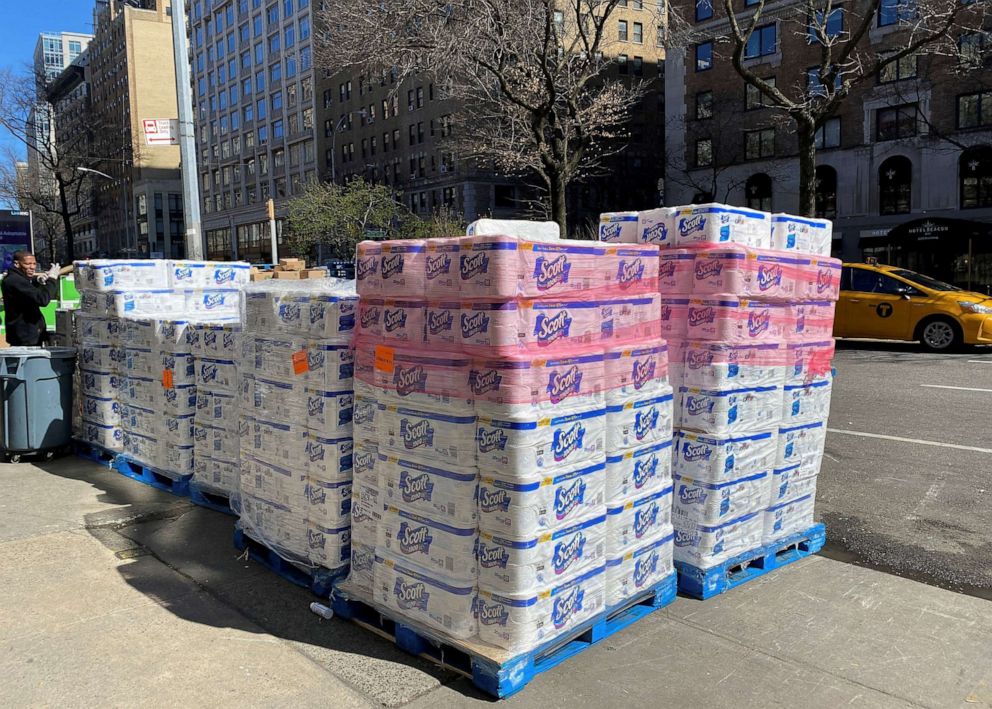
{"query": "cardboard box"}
(261, 275)
(292, 264)
(315, 273)
(289, 275)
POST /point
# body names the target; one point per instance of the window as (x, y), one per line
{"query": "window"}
(244, 34)
(274, 44)
(260, 106)
(762, 42)
(660, 34)
(975, 110)
(277, 101)
(275, 73)
(704, 152)
(902, 68)
(753, 98)
(289, 37)
(704, 10)
(862, 280)
(896, 122)
(290, 67)
(420, 97)
(704, 105)
(826, 192)
(272, 15)
(623, 64)
(638, 33)
(975, 172)
(248, 113)
(972, 48)
(256, 26)
(704, 56)
(306, 58)
(891, 12)
(831, 28)
(815, 87)
(828, 135)
(304, 28)
(759, 144)
(260, 81)
(758, 190)
(277, 130)
(638, 66)
(895, 186)
(622, 30)
(278, 158)
(287, 8)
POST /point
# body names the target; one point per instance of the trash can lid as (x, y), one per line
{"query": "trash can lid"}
(46, 352)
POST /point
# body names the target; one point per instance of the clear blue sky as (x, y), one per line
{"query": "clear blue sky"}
(21, 21)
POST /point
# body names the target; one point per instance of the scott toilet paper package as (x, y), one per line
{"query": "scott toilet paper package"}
(676, 272)
(787, 518)
(435, 438)
(731, 412)
(638, 472)
(714, 503)
(737, 320)
(806, 404)
(530, 441)
(443, 495)
(633, 523)
(417, 379)
(502, 385)
(105, 275)
(713, 458)
(791, 483)
(631, 373)
(717, 365)
(705, 546)
(754, 273)
(637, 570)
(368, 281)
(654, 226)
(205, 275)
(531, 231)
(444, 550)
(802, 444)
(402, 268)
(619, 227)
(439, 603)
(639, 422)
(802, 234)
(720, 224)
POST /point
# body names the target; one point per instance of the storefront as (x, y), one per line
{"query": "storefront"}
(957, 251)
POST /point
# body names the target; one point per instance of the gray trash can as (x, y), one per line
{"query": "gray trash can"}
(35, 400)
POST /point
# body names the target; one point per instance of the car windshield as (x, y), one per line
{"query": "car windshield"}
(925, 281)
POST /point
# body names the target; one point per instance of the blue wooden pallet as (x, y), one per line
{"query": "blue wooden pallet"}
(317, 579)
(493, 670)
(94, 453)
(205, 497)
(706, 583)
(169, 482)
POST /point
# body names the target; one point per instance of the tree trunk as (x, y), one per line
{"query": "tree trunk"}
(70, 250)
(806, 131)
(556, 190)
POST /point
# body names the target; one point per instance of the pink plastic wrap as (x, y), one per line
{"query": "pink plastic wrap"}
(414, 377)
(674, 317)
(823, 279)
(633, 268)
(403, 321)
(441, 326)
(441, 268)
(369, 322)
(746, 272)
(368, 280)
(675, 272)
(808, 362)
(636, 371)
(737, 320)
(811, 320)
(403, 268)
(556, 384)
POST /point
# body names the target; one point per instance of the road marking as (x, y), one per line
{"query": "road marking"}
(941, 386)
(938, 444)
(980, 361)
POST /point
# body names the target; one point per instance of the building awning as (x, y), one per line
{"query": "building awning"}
(945, 230)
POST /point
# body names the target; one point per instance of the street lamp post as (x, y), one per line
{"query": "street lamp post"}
(334, 149)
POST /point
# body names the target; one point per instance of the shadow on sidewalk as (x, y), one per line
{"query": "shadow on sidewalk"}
(168, 543)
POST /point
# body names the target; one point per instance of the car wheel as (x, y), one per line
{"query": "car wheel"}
(940, 335)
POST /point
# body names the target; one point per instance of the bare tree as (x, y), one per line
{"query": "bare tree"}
(839, 34)
(533, 78)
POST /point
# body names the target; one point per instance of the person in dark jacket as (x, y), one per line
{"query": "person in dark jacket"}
(25, 293)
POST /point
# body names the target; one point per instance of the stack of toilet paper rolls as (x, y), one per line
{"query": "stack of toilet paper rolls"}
(749, 329)
(99, 381)
(295, 386)
(489, 369)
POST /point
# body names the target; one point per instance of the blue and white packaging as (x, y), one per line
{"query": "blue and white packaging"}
(103, 410)
(142, 362)
(362, 567)
(140, 332)
(639, 423)
(524, 505)
(137, 419)
(705, 546)
(806, 404)
(208, 274)
(329, 502)
(618, 227)
(787, 518)
(722, 224)
(449, 496)
(109, 436)
(722, 365)
(365, 464)
(141, 303)
(654, 226)
(173, 336)
(216, 474)
(438, 603)
(366, 419)
(736, 411)
(331, 367)
(717, 459)
(524, 621)
(802, 234)
(217, 340)
(213, 303)
(276, 400)
(218, 407)
(791, 483)
(329, 547)
(107, 384)
(144, 391)
(281, 528)
(274, 442)
(512, 565)
(802, 444)
(636, 473)
(182, 366)
(101, 357)
(799, 358)
(329, 413)
(105, 275)
(276, 484)
(180, 460)
(445, 551)
(431, 437)
(632, 523)
(141, 448)
(176, 431)
(217, 374)
(636, 372)
(638, 570)
(178, 400)
(94, 328)
(527, 441)
(215, 441)
(715, 503)
(332, 317)
(328, 458)
(273, 357)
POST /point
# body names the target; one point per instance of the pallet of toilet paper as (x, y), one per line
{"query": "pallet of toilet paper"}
(295, 394)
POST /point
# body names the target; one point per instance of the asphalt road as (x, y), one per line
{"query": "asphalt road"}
(906, 483)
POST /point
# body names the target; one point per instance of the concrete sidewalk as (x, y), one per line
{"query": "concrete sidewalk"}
(117, 594)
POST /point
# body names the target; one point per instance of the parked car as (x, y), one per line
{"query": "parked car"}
(892, 303)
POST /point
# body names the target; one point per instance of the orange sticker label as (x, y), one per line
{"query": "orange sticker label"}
(384, 358)
(301, 362)
(168, 380)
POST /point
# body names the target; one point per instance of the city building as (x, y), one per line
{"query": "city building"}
(131, 91)
(904, 165)
(398, 136)
(253, 94)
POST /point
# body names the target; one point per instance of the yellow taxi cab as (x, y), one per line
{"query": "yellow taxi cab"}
(891, 303)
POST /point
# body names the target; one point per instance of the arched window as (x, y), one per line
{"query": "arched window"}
(975, 175)
(826, 192)
(895, 186)
(758, 190)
